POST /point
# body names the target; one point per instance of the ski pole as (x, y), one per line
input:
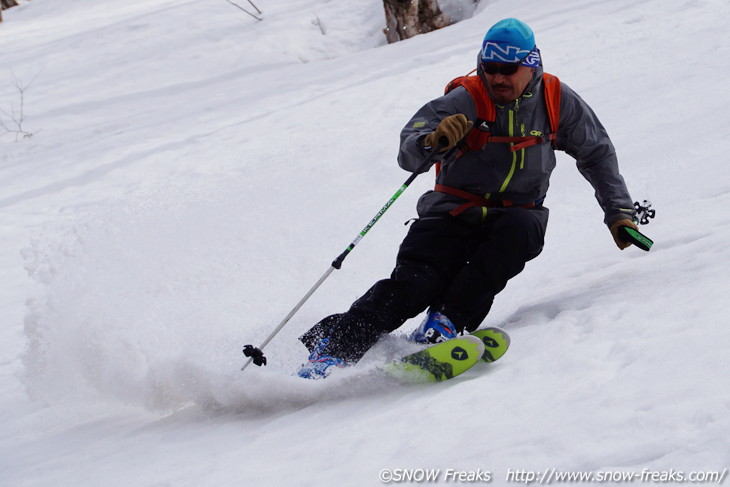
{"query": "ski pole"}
(256, 354)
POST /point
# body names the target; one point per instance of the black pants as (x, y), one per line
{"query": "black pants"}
(445, 263)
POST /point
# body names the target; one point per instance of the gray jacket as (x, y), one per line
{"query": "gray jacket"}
(522, 176)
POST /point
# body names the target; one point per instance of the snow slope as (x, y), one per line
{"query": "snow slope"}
(192, 172)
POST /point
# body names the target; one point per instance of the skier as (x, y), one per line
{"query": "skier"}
(485, 218)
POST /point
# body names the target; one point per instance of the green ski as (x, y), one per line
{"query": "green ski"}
(438, 362)
(496, 342)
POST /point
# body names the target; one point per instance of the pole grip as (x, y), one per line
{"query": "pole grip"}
(637, 238)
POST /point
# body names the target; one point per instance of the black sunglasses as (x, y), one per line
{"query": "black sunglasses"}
(501, 68)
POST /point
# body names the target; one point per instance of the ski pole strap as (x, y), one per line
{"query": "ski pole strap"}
(473, 200)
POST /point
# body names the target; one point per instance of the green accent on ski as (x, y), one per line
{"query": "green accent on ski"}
(430, 364)
(438, 362)
(496, 342)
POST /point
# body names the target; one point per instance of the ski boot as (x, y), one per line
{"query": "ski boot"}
(320, 365)
(435, 328)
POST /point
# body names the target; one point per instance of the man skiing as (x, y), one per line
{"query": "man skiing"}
(485, 217)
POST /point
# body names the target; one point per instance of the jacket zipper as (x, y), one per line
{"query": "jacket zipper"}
(511, 132)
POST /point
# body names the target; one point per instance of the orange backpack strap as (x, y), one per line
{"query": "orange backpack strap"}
(473, 200)
(552, 90)
(486, 113)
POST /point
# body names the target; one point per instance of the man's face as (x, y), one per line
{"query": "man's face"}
(506, 88)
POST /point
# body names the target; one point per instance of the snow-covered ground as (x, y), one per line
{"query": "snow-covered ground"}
(192, 172)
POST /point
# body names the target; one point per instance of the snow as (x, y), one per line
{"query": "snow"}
(192, 173)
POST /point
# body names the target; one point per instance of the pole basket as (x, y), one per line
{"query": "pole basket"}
(255, 354)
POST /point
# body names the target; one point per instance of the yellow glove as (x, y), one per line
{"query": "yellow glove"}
(449, 131)
(616, 227)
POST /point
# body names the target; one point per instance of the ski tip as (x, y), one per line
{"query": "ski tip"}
(496, 341)
(478, 342)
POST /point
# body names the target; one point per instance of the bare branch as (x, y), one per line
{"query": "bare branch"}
(252, 15)
(16, 118)
(319, 24)
(254, 6)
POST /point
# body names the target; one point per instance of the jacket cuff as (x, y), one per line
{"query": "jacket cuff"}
(622, 214)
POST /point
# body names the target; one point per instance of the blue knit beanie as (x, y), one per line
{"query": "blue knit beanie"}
(510, 41)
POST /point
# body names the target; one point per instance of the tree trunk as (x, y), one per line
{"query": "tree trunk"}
(407, 18)
(6, 4)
